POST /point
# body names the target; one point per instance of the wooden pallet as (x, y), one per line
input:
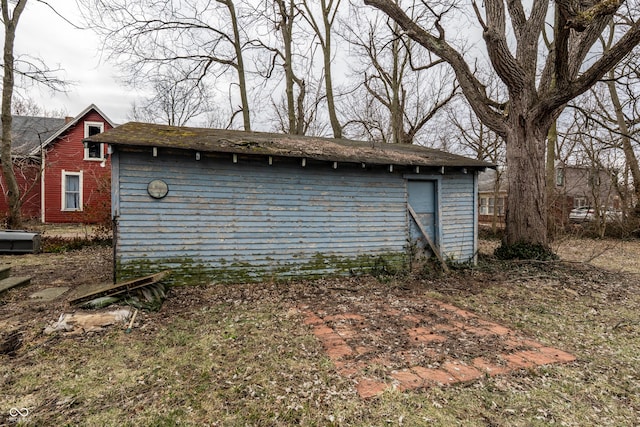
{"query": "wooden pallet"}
(120, 288)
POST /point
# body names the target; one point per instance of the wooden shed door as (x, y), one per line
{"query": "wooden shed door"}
(422, 198)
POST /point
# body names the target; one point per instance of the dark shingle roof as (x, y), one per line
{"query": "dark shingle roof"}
(239, 142)
(29, 132)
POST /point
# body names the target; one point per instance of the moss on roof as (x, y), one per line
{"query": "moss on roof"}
(136, 134)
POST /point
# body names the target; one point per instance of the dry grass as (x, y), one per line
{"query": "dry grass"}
(611, 254)
(240, 355)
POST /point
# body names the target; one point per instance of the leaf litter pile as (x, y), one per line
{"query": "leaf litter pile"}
(242, 354)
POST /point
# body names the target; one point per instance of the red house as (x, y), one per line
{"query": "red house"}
(61, 179)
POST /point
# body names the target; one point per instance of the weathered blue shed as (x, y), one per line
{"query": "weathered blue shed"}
(245, 206)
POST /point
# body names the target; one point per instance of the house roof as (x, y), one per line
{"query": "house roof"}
(70, 124)
(258, 143)
(28, 132)
(487, 182)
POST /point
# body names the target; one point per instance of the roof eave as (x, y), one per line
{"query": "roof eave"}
(470, 164)
(70, 124)
(146, 135)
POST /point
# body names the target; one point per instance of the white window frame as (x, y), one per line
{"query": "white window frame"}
(484, 205)
(579, 202)
(63, 204)
(87, 125)
(488, 205)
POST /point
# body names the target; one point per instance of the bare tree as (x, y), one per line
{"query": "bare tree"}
(290, 58)
(622, 87)
(533, 102)
(475, 138)
(202, 38)
(10, 20)
(612, 110)
(31, 70)
(176, 101)
(625, 135)
(409, 88)
(25, 106)
(322, 22)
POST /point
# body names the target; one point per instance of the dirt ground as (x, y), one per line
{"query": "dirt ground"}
(331, 297)
(229, 345)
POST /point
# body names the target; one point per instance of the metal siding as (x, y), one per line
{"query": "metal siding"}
(457, 214)
(254, 216)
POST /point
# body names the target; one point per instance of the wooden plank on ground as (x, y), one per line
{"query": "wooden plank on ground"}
(119, 288)
(5, 271)
(12, 282)
(433, 247)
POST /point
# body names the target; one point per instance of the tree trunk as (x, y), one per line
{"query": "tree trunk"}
(14, 217)
(627, 148)
(328, 79)
(242, 82)
(397, 117)
(526, 219)
(496, 205)
(552, 197)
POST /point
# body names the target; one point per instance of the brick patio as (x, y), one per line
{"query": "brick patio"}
(339, 337)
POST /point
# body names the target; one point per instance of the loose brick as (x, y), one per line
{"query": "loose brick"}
(344, 316)
(559, 355)
(517, 361)
(347, 369)
(434, 376)
(311, 319)
(461, 372)
(323, 330)
(338, 351)
(538, 357)
(407, 380)
(494, 328)
(368, 388)
(490, 368)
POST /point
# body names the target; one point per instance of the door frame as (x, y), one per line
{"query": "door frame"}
(437, 217)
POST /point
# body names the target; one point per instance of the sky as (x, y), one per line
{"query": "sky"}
(43, 34)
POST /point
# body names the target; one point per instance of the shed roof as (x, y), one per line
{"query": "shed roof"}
(259, 143)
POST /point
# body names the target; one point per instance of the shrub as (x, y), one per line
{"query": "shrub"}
(526, 251)
(55, 244)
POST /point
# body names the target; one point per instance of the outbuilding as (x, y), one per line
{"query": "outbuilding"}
(225, 206)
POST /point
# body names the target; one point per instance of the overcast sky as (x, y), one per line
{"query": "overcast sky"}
(43, 34)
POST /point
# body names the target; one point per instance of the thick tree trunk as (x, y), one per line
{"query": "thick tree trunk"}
(14, 217)
(526, 220)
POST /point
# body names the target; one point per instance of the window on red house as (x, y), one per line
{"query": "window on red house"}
(71, 191)
(93, 150)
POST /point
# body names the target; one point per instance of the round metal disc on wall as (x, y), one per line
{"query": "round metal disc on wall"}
(157, 189)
